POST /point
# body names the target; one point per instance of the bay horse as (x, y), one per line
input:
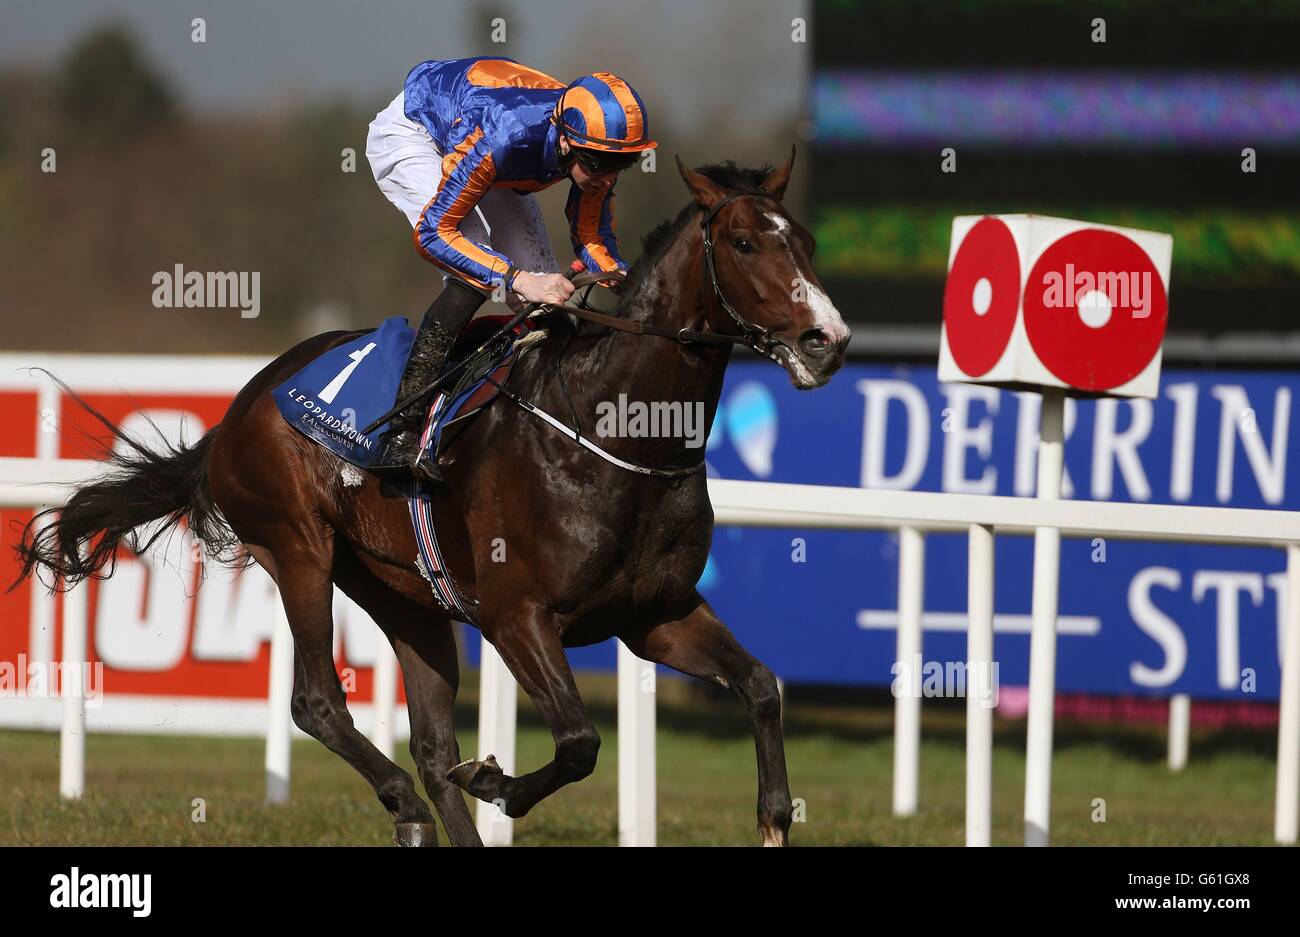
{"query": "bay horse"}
(560, 548)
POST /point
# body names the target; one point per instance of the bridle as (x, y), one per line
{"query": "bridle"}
(752, 336)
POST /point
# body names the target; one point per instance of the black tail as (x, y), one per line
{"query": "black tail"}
(145, 485)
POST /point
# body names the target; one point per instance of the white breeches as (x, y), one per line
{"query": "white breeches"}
(408, 168)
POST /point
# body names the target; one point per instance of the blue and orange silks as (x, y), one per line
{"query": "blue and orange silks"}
(491, 118)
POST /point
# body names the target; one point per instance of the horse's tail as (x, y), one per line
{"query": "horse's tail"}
(168, 483)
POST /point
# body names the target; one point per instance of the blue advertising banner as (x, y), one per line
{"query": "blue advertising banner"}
(1154, 619)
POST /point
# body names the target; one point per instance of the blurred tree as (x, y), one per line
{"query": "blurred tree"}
(108, 90)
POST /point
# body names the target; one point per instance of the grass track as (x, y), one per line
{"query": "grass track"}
(140, 789)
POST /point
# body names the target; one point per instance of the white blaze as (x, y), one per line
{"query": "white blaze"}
(824, 314)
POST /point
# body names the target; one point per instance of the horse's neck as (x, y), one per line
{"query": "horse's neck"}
(650, 368)
(673, 295)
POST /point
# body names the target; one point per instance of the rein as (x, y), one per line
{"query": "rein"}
(684, 336)
(752, 336)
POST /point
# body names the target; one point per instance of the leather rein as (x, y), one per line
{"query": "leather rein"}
(751, 336)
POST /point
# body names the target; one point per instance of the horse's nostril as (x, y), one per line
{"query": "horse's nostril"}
(815, 342)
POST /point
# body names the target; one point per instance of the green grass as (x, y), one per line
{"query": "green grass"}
(140, 789)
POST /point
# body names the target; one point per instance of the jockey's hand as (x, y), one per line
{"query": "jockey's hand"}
(542, 287)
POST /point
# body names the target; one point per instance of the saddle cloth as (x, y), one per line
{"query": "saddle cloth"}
(348, 386)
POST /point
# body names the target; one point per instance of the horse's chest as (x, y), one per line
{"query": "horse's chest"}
(645, 568)
(602, 548)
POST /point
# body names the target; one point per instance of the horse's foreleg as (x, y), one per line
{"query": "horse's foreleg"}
(530, 646)
(319, 707)
(702, 646)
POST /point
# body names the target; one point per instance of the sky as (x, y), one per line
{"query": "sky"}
(692, 58)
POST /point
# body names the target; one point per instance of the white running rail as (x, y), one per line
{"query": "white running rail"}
(762, 504)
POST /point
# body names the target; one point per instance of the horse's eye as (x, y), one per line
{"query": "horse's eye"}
(743, 246)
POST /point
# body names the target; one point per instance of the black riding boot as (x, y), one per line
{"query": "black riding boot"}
(442, 324)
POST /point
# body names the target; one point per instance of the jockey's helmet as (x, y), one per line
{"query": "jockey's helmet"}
(605, 122)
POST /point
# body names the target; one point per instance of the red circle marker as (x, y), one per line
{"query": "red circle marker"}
(1095, 309)
(985, 272)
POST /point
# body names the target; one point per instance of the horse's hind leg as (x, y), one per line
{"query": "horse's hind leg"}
(302, 572)
(702, 646)
(427, 653)
(426, 649)
(530, 646)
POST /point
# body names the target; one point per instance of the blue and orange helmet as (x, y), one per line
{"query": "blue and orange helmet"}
(602, 112)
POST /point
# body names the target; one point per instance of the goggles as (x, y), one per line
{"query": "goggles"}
(601, 162)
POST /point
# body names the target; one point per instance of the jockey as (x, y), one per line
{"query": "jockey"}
(459, 152)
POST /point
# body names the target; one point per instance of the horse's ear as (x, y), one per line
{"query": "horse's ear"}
(775, 183)
(703, 189)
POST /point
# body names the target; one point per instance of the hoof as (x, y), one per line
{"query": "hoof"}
(415, 834)
(483, 779)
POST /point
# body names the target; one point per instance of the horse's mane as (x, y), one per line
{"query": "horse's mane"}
(727, 174)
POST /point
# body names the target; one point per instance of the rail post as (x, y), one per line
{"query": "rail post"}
(72, 686)
(1042, 636)
(383, 705)
(1180, 725)
(497, 708)
(279, 694)
(907, 702)
(636, 750)
(979, 666)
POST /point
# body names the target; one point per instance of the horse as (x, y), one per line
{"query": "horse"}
(558, 547)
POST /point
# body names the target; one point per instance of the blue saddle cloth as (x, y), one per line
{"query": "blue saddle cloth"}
(349, 386)
(346, 388)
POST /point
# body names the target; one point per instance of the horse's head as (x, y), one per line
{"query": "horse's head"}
(760, 262)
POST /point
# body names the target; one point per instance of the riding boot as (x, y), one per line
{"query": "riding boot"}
(442, 324)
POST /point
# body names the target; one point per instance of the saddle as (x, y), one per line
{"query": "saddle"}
(477, 384)
(348, 386)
